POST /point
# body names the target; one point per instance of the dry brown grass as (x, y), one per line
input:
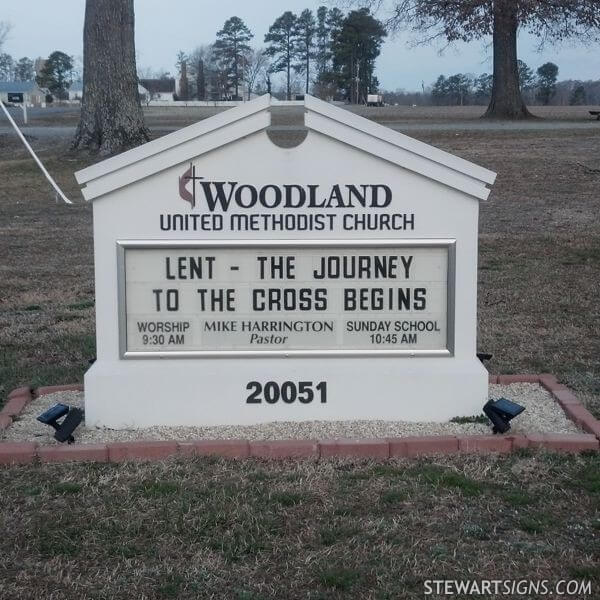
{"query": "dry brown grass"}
(181, 116)
(441, 114)
(539, 258)
(45, 271)
(254, 529)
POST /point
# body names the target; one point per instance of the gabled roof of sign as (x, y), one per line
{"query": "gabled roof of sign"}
(250, 117)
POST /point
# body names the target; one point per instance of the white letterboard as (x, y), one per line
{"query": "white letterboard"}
(385, 297)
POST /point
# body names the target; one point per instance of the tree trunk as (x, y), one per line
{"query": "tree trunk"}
(201, 81)
(111, 115)
(183, 82)
(235, 61)
(307, 68)
(289, 59)
(506, 101)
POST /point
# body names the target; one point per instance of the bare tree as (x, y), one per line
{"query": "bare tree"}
(182, 63)
(7, 67)
(200, 61)
(150, 73)
(5, 28)
(211, 77)
(111, 115)
(257, 65)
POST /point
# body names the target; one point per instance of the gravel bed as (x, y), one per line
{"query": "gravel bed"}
(542, 415)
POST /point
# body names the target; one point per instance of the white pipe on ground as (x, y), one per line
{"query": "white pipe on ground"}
(34, 155)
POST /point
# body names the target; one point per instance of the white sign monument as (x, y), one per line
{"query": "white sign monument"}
(240, 282)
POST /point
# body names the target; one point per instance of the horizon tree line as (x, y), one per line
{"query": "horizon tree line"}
(430, 20)
(333, 53)
(463, 89)
(58, 72)
(541, 88)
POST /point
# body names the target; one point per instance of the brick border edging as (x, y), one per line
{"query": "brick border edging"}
(379, 448)
(17, 400)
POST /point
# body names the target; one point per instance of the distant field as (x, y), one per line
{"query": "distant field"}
(394, 113)
(390, 115)
(454, 113)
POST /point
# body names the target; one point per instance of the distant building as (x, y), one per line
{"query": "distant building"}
(76, 91)
(143, 92)
(32, 94)
(160, 89)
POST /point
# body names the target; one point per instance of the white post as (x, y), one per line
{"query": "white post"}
(24, 107)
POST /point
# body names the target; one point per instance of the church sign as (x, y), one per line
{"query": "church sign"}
(296, 299)
(240, 282)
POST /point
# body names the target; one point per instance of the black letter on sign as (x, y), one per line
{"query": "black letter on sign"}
(172, 300)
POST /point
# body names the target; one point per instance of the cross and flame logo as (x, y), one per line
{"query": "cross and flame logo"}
(184, 193)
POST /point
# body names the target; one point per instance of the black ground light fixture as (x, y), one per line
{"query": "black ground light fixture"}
(483, 356)
(500, 412)
(73, 416)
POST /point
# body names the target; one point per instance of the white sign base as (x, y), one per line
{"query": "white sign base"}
(187, 392)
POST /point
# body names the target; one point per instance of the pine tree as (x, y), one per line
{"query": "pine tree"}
(24, 69)
(56, 74)
(329, 24)
(231, 48)
(304, 38)
(282, 46)
(323, 43)
(335, 23)
(7, 67)
(355, 48)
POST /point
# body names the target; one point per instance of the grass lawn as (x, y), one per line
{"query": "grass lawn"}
(255, 529)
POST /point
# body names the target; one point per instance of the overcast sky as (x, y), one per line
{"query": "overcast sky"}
(163, 27)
